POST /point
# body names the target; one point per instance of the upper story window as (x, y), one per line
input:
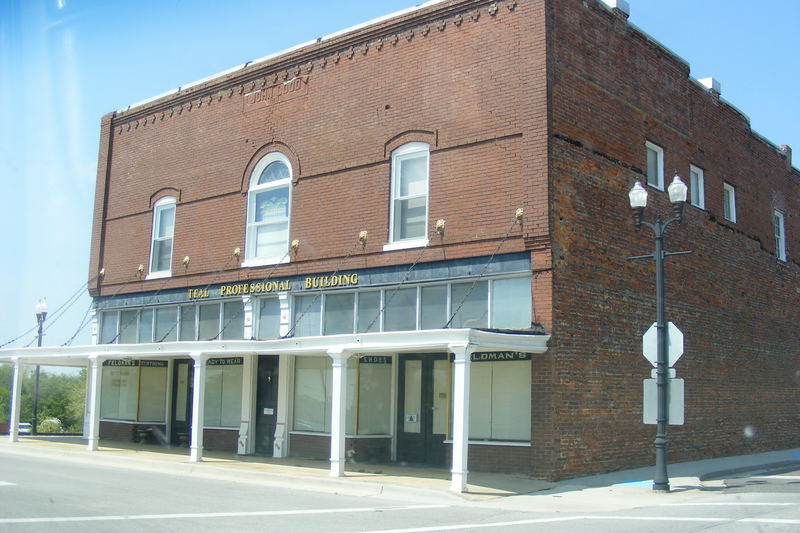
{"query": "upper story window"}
(729, 202)
(161, 245)
(696, 193)
(655, 165)
(268, 207)
(409, 203)
(780, 235)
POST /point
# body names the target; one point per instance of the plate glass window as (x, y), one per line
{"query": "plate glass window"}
(655, 165)
(696, 195)
(729, 202)
(163, 229)
(780, 235)
(268, 207)
(409, 192)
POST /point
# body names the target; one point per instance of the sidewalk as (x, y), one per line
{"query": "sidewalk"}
(604, 492)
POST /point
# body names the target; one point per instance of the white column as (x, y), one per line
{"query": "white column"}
(283, 302)
(96, 380)
(16, 401)
(281, 445)
(248, 402)
(198, 397)
(249, 332)
(461, 365)
(94, 328)
(338, 411)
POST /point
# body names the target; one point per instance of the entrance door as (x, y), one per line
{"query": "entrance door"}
(182, 387)
(266, 404)
(423, 414)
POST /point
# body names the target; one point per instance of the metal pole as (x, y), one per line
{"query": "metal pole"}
(34, 418)
(660, 481)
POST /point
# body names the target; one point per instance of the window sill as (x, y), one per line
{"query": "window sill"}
(249, 263)
(159, 275)
(405, 245)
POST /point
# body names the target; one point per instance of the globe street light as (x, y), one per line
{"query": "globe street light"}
(638, 200)
(41, 314)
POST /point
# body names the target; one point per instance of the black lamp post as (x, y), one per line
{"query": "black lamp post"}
(41, 314)
(638, 199)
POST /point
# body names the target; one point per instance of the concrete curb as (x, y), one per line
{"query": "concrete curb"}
(768, 468)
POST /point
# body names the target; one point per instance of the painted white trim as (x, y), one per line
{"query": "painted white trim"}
(405, 245)
(659, 165)
(728, 188)
(159, 275)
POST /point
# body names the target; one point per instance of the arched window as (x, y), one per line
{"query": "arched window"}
(268, 207)
(409, 207)
(161, 244)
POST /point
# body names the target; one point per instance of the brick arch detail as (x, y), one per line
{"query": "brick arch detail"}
(165, 191)
(274, 146)
(405, 137)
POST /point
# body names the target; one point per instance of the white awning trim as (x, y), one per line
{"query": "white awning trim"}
(435, 340)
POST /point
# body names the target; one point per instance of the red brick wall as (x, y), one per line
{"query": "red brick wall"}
(611, 90)
(454, 83)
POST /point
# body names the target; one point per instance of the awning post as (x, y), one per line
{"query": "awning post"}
(338, 410)
(16, 397)
(461, 371)
(198, 401)
(96, 380)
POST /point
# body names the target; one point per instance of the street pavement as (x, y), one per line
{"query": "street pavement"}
(618, 491)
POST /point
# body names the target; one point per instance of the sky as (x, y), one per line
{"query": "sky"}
(66, 63)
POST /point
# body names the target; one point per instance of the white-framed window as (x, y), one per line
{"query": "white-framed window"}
(161, 245)
(223, 395)
(729, 202)
(504, 412)
(780, 235)
(696, 193)
(409, 202)
(655, 165)
(134, 391)
(268, 208)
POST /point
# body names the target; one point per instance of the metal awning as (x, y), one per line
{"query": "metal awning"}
(434, 340)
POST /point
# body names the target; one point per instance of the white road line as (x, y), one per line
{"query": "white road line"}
(778, 477)
(55, 519)
(737, 504)
(6, 484)
(453, 527)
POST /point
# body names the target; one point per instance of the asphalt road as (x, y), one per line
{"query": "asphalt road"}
(40, 494)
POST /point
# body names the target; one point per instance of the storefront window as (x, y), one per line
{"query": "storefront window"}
(187, 326)
(166, 324)
(400, 310)
(146, 326)
(209, 322)
(223, 393)
(269, 318)
(108, 327)
(434, 307)
(470, 304)
(369, 306)
(306, 315)
(152, 391)
(128, 323)
(312, 386)
(511, 303)
(374, 395)
(339, 313)
(500, 407)
(233, 317)
(134, 390)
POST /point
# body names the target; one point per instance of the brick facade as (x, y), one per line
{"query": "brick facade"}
(541, 105)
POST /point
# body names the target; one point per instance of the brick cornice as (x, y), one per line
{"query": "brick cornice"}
(325, 54)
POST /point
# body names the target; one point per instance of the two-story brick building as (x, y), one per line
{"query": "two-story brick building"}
(408, 242)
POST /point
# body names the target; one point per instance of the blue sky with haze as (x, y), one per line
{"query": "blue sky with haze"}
(65, 63)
